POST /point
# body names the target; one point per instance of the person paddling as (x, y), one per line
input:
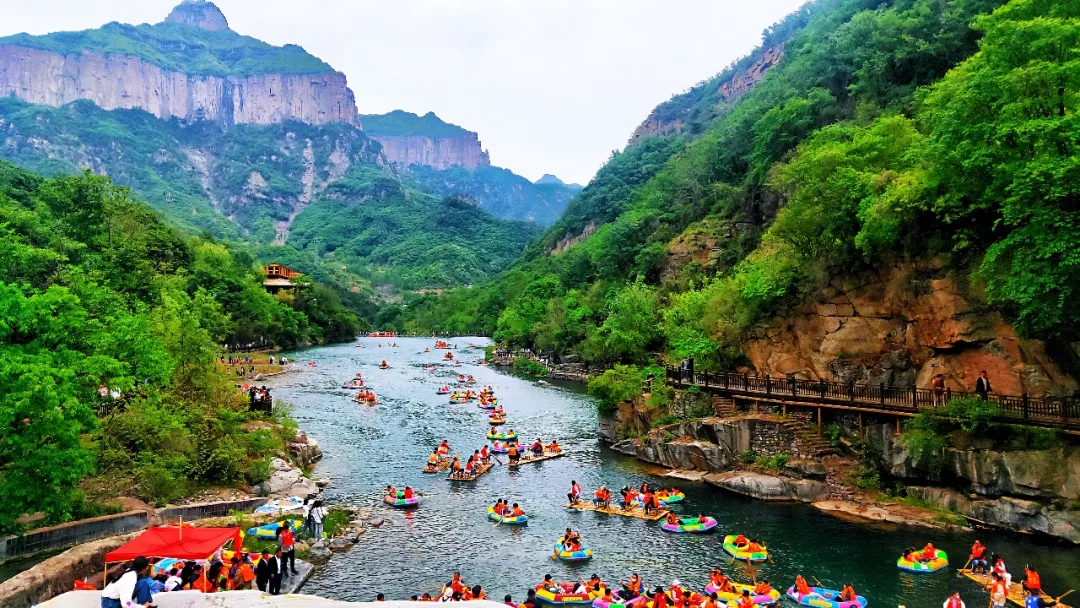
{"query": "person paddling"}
(575, 492)
(978, 557)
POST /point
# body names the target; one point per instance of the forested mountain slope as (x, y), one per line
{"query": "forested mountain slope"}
(917, 143)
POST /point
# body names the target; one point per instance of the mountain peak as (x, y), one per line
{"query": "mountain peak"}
(198, 13)
(549, 179)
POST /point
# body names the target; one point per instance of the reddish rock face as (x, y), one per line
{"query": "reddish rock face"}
(902, 328)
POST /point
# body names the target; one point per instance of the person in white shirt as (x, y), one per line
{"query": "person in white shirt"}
(121, 593)
(174, 581)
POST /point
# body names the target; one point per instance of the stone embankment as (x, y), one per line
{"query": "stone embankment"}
(1024, 490)
(1016, 489)
(757, 455)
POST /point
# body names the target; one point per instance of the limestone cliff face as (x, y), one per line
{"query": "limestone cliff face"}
(115, 81)
(436, 152)
(904, 327)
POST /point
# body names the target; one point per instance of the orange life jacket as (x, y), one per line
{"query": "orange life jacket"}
(955, 602)
(1032, 580)
(848, 594)
(746, 601)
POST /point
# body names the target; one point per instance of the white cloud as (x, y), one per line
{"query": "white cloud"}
(551, 86)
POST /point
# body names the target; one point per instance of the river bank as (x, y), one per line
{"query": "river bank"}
(862, 469)
(368, 447)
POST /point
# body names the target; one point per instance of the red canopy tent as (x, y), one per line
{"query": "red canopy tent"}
(178, 542)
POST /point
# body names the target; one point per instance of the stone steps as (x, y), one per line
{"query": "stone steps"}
(808, 437)
(724, 407)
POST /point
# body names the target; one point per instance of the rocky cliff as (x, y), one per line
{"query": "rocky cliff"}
(267, 85)
(902, 327)
(709, 97)
(435, 152)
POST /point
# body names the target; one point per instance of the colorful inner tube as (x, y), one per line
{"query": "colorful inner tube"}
(508, 436)
(520, 520)
(940, 561)
(442, 392)
(670, 499)
(494, 421)
(502, 449)
(270, 530)
(733, 596)
(401, 502)
(459, 400)
(691, 525)
(742, 554)
(566, 596)
(820, 597)
(486, 406)
(582, 554)
(617, 602)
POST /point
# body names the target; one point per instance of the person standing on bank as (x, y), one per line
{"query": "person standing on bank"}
(129, 591)
(938, 386)
(286, 543)
(262, 571)
(277, 570)
(982, 385)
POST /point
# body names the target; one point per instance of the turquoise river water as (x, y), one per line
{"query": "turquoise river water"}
(415, 551)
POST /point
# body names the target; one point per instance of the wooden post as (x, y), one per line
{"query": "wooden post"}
(862, 435)
(897, 426)
(882, 393)
(783, 409)
(819, 423)
(1025, 402)
(768, 385)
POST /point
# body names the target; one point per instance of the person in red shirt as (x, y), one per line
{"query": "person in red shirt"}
(1032, 580)
(745, 601)
(408, 492)
(928, 553)
(978, 557)
(954, 601)
(659, 599)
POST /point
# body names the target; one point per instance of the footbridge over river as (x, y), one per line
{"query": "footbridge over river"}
(878, 399)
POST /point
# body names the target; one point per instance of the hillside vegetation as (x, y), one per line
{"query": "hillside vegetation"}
(890, 131)
(99, 291)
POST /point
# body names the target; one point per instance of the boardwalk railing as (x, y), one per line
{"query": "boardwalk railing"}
(1062, 412)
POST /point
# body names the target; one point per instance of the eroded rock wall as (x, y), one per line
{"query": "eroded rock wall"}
(116, 81)
(902, 328)
(436, 152)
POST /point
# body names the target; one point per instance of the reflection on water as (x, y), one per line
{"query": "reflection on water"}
(416, 551)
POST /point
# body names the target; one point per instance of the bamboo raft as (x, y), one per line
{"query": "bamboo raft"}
(484, 468)
(637, 512)
(439, 467)
(546, 456)
(1016, 590)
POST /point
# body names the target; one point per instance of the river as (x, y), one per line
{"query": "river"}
(415, 551)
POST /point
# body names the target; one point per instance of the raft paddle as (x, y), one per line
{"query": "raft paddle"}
(819, 583)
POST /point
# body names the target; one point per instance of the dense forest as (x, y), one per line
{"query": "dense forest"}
(99, 291)
(890, 131)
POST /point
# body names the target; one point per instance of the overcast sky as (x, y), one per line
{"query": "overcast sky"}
(551, 86)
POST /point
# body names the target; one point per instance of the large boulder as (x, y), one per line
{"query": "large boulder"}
(769, 487)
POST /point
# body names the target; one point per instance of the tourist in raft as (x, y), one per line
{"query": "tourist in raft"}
(516, 511)
(455, 466)
(847, 594)
(953, 601)
(1000, 570)
(741, 541)
(433, 460)
(1032, 581)
(763, 588)
(554, 447)
(803, 590)
(512, 453)
(999, 590)
(754, 547)
(929, 553)
(631, 588)
(537, 447)
(575, 493)
(659, 598)
(601, 497)
(745, 601)
(485, 456)
(671, 519)
(713, 601)
(551, 585)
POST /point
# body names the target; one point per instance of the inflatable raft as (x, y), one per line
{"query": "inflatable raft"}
(566, 596)
(401, 502)
(507, 436)
(820, 597)
(771, 598)
(670, 499)
(940, 561)
(617, 602)
(742, 554)
(582, 554)
(520, 520)
(270, 530)
(495, 420)
(691, 525)
(486, 405)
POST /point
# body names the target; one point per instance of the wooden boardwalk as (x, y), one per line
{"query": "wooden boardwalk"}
(636, 512)
(1048, 411)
